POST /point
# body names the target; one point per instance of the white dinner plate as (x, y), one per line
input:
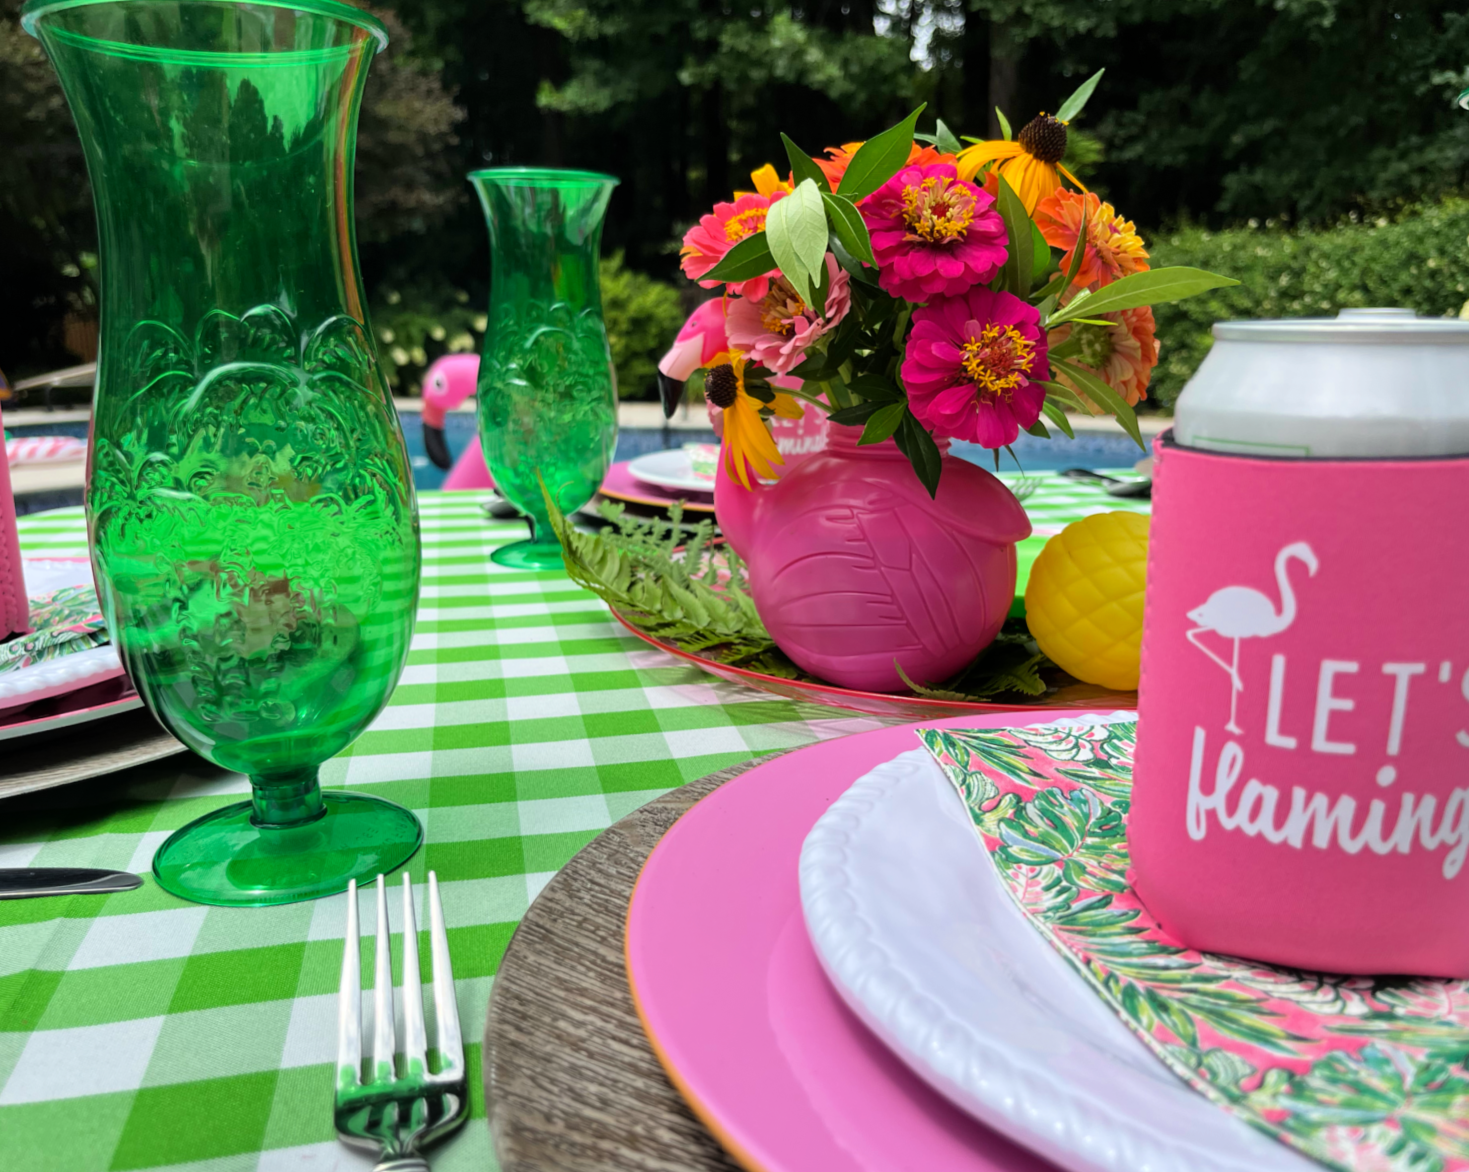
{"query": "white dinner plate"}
(670, 469)
(921, 940)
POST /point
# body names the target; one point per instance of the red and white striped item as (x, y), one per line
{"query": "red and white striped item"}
(44, 449)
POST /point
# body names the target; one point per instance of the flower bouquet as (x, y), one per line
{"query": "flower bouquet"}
(918, 290)
(924, 289)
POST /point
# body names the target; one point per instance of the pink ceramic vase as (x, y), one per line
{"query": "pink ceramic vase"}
(855, 569)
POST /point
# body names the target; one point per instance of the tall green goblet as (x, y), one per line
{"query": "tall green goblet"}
(547, 391)
(253, 527)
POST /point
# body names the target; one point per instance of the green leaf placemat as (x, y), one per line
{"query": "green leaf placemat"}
(1361, 1073)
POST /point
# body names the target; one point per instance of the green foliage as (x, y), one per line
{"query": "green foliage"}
(643, 315)
(672, 583)
(1419, 259)
(1012, 663)
(417, 326)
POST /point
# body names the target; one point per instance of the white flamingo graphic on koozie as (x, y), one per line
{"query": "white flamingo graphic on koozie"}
(1239, 612)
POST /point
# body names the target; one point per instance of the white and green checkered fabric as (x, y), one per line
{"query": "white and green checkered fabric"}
(138, 1031)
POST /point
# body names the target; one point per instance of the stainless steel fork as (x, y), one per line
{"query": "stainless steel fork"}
(398, 1110)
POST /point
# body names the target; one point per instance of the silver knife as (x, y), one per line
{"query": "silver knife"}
(29, 882)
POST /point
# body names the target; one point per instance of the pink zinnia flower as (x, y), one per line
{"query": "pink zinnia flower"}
(933, 234)
(972, 365)
(776, 330)
(705, 244)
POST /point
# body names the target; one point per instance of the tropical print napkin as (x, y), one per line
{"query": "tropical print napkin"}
(62, 621)
(1361, 1073)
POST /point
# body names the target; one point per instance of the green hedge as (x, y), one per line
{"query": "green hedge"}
(417, 326)
(1419, 259)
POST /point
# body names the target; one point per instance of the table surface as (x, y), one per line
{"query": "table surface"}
(138, 1031)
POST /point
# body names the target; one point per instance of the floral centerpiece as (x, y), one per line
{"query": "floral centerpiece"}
(924, 289)
(919, 291)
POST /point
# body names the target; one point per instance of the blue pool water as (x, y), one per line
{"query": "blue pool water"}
(1035, 455)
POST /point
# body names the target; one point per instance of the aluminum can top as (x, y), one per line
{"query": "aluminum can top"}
(1368, 382)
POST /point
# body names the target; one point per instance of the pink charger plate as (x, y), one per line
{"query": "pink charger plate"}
(621, 485)
(735, 1002)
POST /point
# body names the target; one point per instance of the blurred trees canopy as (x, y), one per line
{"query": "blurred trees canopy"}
(1212, 113)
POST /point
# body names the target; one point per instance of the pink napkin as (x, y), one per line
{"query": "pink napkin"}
(14, 607)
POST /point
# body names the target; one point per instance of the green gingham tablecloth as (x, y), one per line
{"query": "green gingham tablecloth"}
(138, 1031)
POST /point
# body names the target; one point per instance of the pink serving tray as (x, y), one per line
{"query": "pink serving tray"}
(735, 1002)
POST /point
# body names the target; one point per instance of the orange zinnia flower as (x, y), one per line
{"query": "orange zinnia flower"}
(1114, 249)
(1031, 164)
(835, 166)
(1121, 353)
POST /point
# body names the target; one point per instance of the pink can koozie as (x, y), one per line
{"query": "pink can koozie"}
(1301, 793)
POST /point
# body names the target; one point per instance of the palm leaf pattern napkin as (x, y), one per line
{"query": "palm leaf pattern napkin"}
(1358, 1072)
(63, 621)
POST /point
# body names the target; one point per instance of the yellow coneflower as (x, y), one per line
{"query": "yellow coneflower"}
(1031, 164)
(747, 439)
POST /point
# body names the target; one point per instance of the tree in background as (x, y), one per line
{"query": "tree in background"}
(1214, 112)
(408, 183)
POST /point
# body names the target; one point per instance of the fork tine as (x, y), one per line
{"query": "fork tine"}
(415, 1037)
(383, 1038)
(349, 1000)
(446, 1008)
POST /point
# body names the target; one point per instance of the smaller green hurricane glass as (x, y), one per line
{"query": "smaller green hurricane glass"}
(547, 390)
(249, 503)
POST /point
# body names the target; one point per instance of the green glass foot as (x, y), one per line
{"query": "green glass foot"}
(226, 859)
(530, 555)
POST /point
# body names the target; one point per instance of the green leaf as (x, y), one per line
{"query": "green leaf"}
(748, 259)
(1004, 125)
(876, 386)
(1106, 398)
(1063, 394)
(915, 443)
(856, 414)
(944, 139)
(803, 166)
(1040, 250)
(848, 226)
(879, 158)
(1149, 288)
(1019, 267)
(796, 229)
(1073, 105)
(1039, 429)
(883, 423)
(1057, 415)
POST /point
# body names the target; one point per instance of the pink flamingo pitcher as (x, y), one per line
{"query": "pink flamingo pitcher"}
(856, 570)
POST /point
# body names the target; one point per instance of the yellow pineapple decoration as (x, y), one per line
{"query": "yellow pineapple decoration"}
(1084, 602)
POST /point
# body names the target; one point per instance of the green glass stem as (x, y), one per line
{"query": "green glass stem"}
(547, 391)
(249, 501)
(286, 802)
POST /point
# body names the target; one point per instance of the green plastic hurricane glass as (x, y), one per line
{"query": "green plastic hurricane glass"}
(251, 512)
(547, 391)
